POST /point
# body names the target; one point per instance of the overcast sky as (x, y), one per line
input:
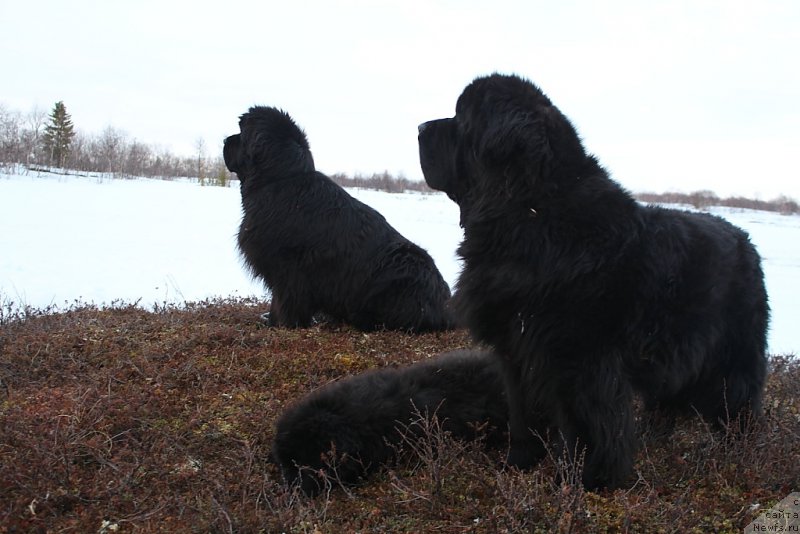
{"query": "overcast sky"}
(670, 95)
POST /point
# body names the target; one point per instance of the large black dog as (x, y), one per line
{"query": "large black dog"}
(349, 428)
(586, 295)
(317, 248)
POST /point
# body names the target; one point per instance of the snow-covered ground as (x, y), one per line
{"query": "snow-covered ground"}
(88, 239)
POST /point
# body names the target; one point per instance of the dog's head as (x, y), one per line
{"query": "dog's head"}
(269, 147)
(506, 141)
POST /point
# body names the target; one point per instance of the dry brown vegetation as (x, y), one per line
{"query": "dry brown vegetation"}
(705, 199)
(697, 199)
(126, 420)
(381, 182)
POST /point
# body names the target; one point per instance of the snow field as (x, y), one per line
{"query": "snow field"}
(65, 239)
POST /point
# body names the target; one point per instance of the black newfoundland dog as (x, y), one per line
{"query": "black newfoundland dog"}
(317, 248)
(345, 430)
(586, 295)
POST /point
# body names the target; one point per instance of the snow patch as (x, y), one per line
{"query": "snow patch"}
(90, 239)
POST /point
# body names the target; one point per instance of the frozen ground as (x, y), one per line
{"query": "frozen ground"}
(89, 239)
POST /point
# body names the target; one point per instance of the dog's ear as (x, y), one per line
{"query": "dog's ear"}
(230, 152)
(280, 155)
(273, 145)
(535, 148)
(515, 145)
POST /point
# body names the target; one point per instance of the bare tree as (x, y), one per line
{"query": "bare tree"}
(166, 164)
(80, 155)
(10, 136)
(110, 150)
(200, 146)
(32, 138)
(138, 159)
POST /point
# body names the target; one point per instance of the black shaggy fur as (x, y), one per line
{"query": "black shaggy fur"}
(355, 425)
(586, 295)
(317, 248)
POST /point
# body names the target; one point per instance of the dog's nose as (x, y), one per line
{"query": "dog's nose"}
(421, 127)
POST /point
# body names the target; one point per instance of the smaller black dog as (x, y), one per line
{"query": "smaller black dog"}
(355, 425)
(318, 249)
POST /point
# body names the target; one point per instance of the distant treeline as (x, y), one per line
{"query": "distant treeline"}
(382, 182)
(698, 199)
(705, 199)
(22, 142)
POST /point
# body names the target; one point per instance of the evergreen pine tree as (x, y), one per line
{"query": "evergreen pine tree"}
(58, 135)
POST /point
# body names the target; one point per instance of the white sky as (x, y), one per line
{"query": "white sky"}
(670, 95)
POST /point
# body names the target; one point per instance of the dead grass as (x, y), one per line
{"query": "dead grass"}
(706, 199)
(126, 420)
